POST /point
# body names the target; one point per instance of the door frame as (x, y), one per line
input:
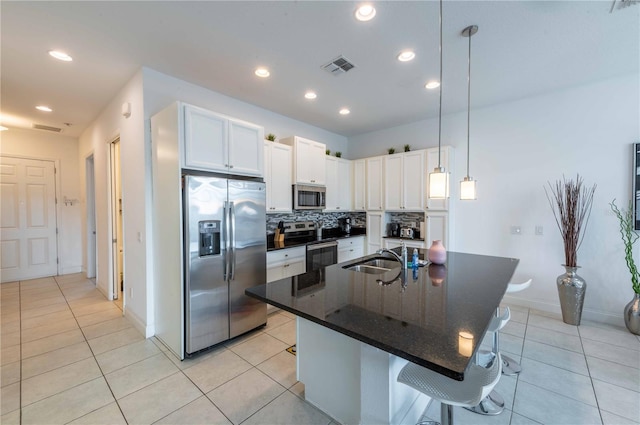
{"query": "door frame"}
(111, 293)
(91, 270)
(58, 195)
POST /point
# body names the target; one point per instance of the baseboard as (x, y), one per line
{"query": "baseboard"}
(71, 270)
(588, 315)
(146, 330)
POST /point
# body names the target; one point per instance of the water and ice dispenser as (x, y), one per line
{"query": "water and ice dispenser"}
(209, 231)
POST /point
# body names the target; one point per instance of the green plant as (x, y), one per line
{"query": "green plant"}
(271, 137)
(629, 237)
(328, 152)
(391, 151)
(407, 148)
(571, 204)
(338, 154)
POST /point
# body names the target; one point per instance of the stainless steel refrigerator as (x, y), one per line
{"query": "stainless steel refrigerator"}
(225, 253)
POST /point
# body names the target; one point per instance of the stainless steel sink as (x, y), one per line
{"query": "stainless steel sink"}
(376, 265)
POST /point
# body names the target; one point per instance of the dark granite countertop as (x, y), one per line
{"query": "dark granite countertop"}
(327, 234)
(420, 322)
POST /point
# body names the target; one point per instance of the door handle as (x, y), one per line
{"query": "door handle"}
(232, 220)
(225, 236)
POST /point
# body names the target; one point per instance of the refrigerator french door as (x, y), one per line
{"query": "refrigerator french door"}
(225, 252)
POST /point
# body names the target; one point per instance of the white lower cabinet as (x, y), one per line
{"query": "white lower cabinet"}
(437, 228)
(350, 248)
(286, 263)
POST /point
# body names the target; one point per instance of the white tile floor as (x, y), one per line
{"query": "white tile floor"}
(68, 356)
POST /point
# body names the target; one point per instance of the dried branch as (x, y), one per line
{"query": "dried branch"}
(629, 237)
(571, 204)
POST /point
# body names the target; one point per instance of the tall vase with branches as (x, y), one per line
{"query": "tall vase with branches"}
(571, 202)
(629, 237)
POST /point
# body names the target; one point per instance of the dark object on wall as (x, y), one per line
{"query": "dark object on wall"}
(636, 185)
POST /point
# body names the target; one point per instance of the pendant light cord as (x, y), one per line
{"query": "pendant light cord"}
(440, 102)
(468, 102)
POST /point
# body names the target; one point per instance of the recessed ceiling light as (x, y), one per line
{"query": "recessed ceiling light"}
(43, 108)
(60, 55)
(406, 56)
(344, 111)
(365, 12)
(432, 85)
(262, 72)
(3, 128)
(310, 95)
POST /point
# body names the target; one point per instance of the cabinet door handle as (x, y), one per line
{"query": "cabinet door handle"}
(230, 166)
(226, 165)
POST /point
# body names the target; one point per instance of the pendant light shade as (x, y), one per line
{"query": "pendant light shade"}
(468, 186)
(439, 178)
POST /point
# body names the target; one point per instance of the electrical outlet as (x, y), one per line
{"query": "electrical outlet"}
(516, 230)
(539, 230)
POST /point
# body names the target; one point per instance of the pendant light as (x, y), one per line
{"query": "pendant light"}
(468, 187)
(439, 178)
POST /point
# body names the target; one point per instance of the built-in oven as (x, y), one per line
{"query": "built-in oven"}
(309, 197)
(321, 254)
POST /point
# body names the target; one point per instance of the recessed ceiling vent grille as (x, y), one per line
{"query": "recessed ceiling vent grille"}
(46, 128)
(338, 66)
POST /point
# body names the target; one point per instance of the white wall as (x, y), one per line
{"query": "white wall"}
(160, 90)
(50, 146)
(94, 140)
(516, 148)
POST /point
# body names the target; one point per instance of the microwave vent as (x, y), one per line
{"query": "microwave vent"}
(338, 66)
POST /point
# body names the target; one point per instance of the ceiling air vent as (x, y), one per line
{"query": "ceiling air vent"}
(46, 128)
(338, 66)
(621, 4)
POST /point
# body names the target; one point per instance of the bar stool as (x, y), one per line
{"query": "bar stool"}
(493, 403)
(511, 367)
(478, 382)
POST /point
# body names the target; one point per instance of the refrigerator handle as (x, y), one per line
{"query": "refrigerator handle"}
(232, 259)
(225, 236)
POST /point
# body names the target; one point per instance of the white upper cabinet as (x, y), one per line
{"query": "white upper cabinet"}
(245, 148)
(308, 160)
(404, 181)
(338, 183)
(375, 183)
(277, 176)
(214, 142)
(413, 179)
(359, 184)
(446, 161)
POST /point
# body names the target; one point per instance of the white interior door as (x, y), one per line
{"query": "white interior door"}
(92, 248)
(27, 219)
(117, 247)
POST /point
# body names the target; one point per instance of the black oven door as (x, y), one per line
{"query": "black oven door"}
(320, 255)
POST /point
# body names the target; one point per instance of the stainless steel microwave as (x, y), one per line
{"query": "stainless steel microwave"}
(307, 197)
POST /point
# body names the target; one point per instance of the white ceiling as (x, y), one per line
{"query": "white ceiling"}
(522, 48)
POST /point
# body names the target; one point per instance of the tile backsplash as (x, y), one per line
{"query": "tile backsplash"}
(329, 219)
(405, 218)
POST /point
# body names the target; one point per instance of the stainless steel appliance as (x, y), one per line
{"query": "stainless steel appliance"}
(345, 224)
(393, 230)
(406, 232)
(307, 197)
(225, 252)
(321, 254)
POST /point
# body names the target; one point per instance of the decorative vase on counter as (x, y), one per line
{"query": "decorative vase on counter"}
(437, 253)
(632, 315)
(571, 290)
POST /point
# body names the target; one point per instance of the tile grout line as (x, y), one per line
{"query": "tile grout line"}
(593, 387)
(94, 359)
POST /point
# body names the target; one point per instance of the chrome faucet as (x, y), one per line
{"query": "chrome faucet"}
(400, 258)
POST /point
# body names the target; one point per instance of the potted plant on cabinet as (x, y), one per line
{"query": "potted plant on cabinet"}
(629, 237)
(571, 203)
(271, 137)
(338, 154)
(391, 151)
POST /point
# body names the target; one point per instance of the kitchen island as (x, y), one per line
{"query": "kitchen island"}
(357, 330)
